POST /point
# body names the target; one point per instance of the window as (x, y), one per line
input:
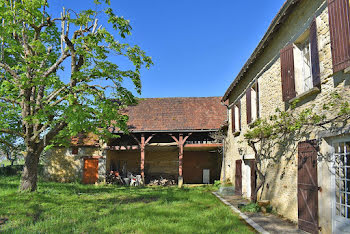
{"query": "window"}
(252, 97)
(303, 69)
(342, 179)
(300, 68)
(236, 117)
(255, 100)
(75, 150)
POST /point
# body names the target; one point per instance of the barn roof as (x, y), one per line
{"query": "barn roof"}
(176, 114)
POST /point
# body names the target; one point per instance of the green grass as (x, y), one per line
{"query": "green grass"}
(8, 162)
(76, 208)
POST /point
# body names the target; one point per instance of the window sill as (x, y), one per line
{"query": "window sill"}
(235, 134)
(306, 94)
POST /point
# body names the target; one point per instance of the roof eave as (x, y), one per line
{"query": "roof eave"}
(169, 131)
(284, 11)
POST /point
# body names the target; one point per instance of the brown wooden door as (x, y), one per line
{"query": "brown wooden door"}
(90, 175)
(238, 177)
(307, 187)
(252, 179)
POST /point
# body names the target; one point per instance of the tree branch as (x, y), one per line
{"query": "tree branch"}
(9, 70)
(12, 132)
(54, 67)
(10, 100)
(7, 144)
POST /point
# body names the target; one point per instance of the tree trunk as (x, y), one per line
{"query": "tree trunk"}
(30, 170)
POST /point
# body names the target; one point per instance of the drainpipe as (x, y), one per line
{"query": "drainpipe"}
(223, 145)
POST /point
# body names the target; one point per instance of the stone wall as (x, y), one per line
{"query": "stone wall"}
(281, 179)
(63, 166)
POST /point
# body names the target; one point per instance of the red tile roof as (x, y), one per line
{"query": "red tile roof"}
(85, 139)
(179, 113)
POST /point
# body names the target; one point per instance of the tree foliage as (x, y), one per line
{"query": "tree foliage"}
(46, 108)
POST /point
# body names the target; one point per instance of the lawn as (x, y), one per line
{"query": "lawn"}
(76, 208)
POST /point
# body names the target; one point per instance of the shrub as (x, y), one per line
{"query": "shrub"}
(251, 207)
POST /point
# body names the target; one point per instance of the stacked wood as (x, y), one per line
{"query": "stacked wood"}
(113, 177)
(162, 181)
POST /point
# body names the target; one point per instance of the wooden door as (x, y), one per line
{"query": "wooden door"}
(238, 177)
(90, 174)
(307, 186)
(252, 179)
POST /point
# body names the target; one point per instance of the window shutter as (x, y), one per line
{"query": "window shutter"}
(287, 73)
(315, 62)
(339, 27)
(257, 100)
(233, 119)
(239, 115)
(249, 105)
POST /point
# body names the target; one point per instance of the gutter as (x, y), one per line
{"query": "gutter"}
(169, 131)
(274, 26)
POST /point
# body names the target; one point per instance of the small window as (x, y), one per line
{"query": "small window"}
(300, 65)
(236, 108)
(303, 64)
(236, 117)
(252, 103)
(75, 150)
(342, 179)
(255, 102)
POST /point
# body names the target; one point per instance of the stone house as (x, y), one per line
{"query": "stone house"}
(305, 56)
(168, 137)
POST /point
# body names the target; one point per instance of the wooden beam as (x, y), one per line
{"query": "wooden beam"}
(175, 139)
(137, 140)
(184, 140)
(149, 138)
(181, 153)
(142, 144)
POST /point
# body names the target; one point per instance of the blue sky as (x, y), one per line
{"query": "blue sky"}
(198, 46)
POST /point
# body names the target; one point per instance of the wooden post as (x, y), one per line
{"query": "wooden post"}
(180, 142)
(181, 153)
(142, 146)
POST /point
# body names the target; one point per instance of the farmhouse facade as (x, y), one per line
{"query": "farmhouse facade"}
(168, 137)
(304, 57)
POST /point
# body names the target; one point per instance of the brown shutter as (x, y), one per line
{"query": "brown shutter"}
(239, 115)
(339, 27)
(233, 118)
(257, 100)
(287, 73)
(249, 105)
(238, 178)
(315, 62)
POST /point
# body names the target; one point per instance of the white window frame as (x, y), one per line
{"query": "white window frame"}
(254, 102)
(236, 113)
(302, 83)
(306, 78)
(336, 219)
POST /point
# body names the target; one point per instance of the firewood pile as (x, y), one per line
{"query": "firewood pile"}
(162, 181)
(113, 177)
